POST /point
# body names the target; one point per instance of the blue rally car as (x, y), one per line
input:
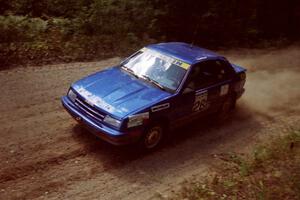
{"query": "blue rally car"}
(157, 89)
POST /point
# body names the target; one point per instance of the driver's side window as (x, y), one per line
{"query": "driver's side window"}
(206, 73)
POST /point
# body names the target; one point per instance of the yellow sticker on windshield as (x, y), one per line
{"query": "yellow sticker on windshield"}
(185, 65)
(182, 64)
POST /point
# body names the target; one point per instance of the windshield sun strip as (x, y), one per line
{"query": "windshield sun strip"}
(167, 58)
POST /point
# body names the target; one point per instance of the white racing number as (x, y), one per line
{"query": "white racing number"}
(201, 103)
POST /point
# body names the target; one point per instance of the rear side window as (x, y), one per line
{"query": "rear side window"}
(225, 69)
(209, 73)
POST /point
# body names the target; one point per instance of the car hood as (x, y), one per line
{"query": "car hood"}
(117, 92)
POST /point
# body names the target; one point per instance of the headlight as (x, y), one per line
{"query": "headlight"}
(114, 122)
(72, 95)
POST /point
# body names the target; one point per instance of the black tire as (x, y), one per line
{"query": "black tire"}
(152, 137)
(226, 108)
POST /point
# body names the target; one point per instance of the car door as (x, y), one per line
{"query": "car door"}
(214, 85)
(202, 80)
(192, 99)
(204, 91)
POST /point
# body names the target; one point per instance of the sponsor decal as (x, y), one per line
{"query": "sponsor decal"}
(138, 119)
(224, 90)
(167, 58)
(202, 58)
(181, 64)
(94, 100)
(201, 102)
(160, 107)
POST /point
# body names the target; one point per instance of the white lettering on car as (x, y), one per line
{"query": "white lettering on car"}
(94, 100)
(160, 107)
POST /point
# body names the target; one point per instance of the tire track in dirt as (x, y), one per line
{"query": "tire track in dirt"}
(137, 177)
(206, 138)
(25, 170)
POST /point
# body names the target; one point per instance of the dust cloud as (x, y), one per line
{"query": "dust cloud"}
(273, 79)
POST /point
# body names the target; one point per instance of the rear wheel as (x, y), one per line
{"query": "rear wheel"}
(226, 108)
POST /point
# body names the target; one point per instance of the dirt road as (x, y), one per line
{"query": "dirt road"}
(44, 154)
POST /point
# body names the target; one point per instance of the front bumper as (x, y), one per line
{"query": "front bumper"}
(106, 133)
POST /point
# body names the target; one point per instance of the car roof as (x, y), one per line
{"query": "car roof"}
(183, 51)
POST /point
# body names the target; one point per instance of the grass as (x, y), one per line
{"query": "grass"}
(271, 171)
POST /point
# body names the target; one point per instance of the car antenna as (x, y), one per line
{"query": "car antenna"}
(194, 35)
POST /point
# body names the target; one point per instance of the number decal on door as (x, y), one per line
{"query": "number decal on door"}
(201, 103)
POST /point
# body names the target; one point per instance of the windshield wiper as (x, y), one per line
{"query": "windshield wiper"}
(153, 82)
(143, 76)
(129, 70)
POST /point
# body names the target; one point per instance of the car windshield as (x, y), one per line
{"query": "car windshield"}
(153, 66)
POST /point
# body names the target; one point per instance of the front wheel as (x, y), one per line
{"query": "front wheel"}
(152, 137)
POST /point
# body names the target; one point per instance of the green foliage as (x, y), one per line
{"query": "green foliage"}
(243, 165)
(272, 173)
(261, 153)
(20, 28)
(125, 24)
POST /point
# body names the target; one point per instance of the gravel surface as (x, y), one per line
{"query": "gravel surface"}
(45, 154)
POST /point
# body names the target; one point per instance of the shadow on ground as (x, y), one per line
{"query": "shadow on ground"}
(202, 138)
